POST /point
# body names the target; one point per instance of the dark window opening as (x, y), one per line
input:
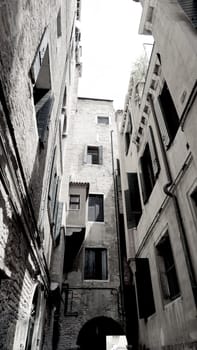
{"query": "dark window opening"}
(169, 112)
(130, 122)
(93, 155)
(74, 202)
(42, 94)
(95, 264)
(135, 211)
(78, 9)
(147, 176)
(194, 198)
(127, 142)
(95, 208)
(167, 269)
(103, 120)
(144, 288)
(59, 25)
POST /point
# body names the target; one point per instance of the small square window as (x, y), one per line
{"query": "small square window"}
(93, 155)
(74, 203)
(103, 120)
(95, 208)
(95, 264)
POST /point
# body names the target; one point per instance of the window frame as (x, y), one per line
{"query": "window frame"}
(164, 112)
(101, 268)
(76, 202)
(100, 195)
(167, 284)
(88, 155)
(104, 117)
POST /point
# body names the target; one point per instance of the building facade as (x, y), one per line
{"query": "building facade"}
(91, 306)
(39, 68)
(158, 170)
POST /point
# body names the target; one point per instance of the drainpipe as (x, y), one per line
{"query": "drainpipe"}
(174, 198)
(121, 270)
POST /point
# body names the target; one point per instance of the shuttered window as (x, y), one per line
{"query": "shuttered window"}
(153, 153)
(53, 194)
(167, 116)
(145, 297)
(134, 196)
(43, 112)
(190, 9)
(95, 208)
(95, 264)
(42, 93)
(93, 155)
(167, 269)
(149, 167)
(147, 174)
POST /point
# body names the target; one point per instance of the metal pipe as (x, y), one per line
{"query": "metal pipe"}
(121, 271)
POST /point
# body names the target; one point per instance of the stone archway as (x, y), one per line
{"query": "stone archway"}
(93, 334)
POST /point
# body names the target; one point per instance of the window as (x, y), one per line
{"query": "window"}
(127, 142)
(132, 200)
(150, 167)
(95, 264)
(144, 288)
(168, 118)
(167, 270)
(59, 26)
(190, 9)
(128, 132)
(95, 208)
(74, 203)
(42, 94)
(53, 193)
(93, 155)
(103, 120)
(78, 9)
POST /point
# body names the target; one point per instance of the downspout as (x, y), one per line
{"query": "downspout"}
(121, 270)
(168, 192)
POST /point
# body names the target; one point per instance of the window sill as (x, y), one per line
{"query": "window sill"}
(169, 302)
(73, 209)
(95, 281)
(96, 222)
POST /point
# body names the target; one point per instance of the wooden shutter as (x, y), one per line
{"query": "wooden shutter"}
(39, 56)
(161, 122)
(142, 181)
(43, 112)
(52, 185)
(104, 264)
(100, 154)
(146, 303)
(190, 9)
(153, 153)
(58, 220)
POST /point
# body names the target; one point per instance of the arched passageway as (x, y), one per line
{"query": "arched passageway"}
(93, 334)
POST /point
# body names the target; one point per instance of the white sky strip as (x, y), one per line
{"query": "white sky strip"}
(110, 45)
